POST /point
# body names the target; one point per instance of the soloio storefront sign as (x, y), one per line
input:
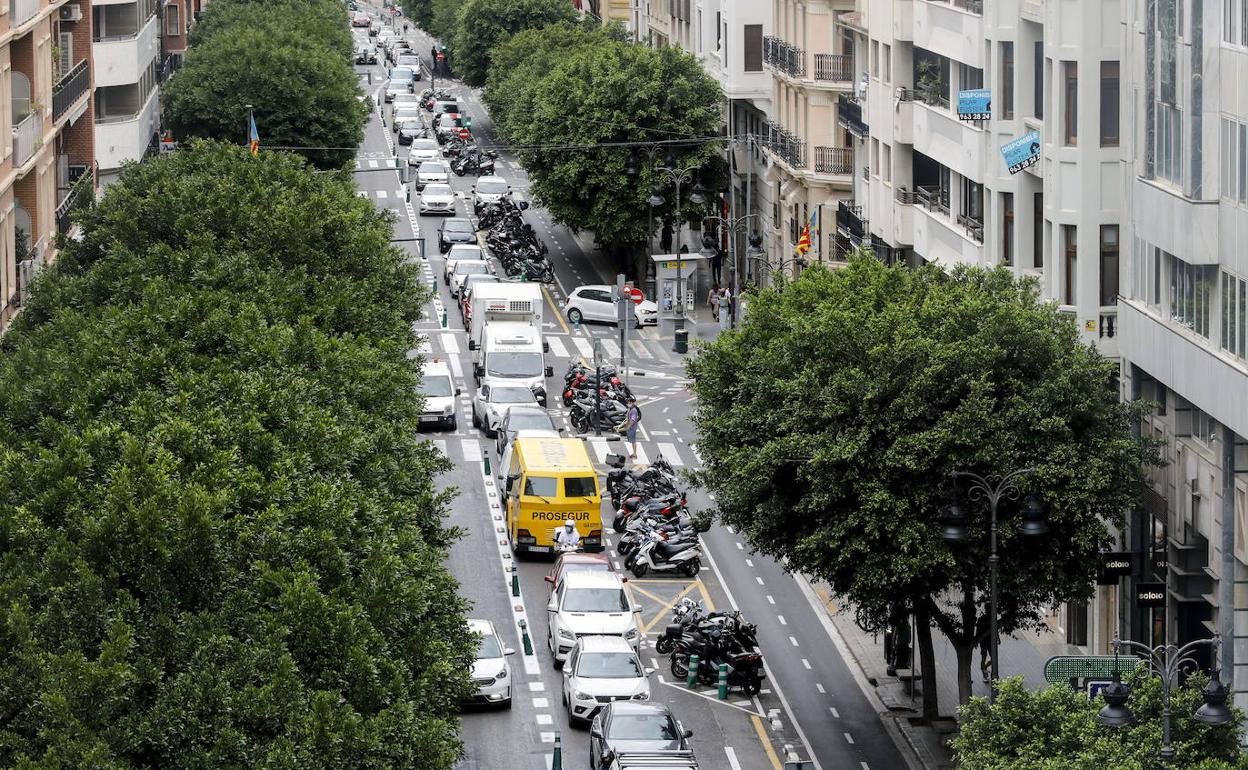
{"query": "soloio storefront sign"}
(1114, 565)
(1150, 595)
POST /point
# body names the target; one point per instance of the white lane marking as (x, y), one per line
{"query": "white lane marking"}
(783, 622)
(793, 641)
(749, 563)
(583, 347)
(732, 758)
(642, 459)
(425, 346)
(450, 343)
(547, 737)
(731, 531)
(556, 347)
(611, 348)
(545, 719)
(806, 664)
(381, 194)
(865, 766)
(759, 580)
(541, 703)
(819, 687)
(670, 454)
(601, 448)
(740, 547)
(640, 350)
(835, 714)
(471, 449)
(457, 368)
(374, 164)
(536, 687)
(770, 599)
(849, 739)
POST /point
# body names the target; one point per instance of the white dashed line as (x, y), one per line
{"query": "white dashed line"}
(835, 714)
(783, 622)
(849, 739)
(545, 719)
(541, 703)
(793, 641)
(740, 547)
(759, 580)
(770, 600)
(806, 663)
(749, 563)
(819, 687)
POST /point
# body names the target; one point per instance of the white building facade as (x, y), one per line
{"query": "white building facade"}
(127, 95)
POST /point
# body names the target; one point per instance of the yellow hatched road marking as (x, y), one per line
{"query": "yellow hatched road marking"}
(762, 737)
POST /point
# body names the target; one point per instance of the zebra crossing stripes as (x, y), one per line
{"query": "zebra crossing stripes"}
(556, 346)
(583, 347)
(450, 343)
(610, 348)
(471, 450)
(639, 350)
(670, 453)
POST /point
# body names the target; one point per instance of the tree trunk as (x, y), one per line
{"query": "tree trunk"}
(927, 660)
(964, 644)
(965, 655)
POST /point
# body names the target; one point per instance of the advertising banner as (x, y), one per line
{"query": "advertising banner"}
(1022, 152)
(975, 104)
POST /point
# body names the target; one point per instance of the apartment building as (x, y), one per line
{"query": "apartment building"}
(814, 125)
(47, 169)
(127, 103)
(665, 23)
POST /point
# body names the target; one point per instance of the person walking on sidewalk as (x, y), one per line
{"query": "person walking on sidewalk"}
(983, 636)
(632, 418)
(712, 299)
(725, 310)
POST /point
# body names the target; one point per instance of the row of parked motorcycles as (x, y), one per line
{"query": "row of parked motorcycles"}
(513, 241)
(604, 410)
(716, 638)
(658, 532)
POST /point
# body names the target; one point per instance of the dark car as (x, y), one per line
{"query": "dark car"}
(624, 726)
(456, 230)
(365, 55)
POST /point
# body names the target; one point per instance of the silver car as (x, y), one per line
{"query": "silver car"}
(490, 670)
(432, 172)
(437, 199)
(492, 403)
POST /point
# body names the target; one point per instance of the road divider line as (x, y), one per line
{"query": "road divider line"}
(767, 747)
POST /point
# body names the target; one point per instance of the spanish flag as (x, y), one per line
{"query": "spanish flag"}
(253, 136)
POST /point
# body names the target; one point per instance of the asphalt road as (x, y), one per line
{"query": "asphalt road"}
(815, 706)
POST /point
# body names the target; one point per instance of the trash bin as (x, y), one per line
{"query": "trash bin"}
(682, 341)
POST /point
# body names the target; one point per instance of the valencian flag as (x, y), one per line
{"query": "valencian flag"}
(803, 243)
(253, 136)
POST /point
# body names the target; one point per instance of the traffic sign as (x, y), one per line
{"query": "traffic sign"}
(634, 294)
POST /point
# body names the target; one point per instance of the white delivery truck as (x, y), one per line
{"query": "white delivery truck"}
(511, 354)
(506, 301)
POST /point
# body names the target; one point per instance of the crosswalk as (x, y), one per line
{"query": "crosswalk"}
(562, 347)
(473, 450)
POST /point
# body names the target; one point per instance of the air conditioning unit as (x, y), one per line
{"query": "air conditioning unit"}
(71, 13)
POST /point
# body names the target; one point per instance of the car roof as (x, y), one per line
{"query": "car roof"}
(601, 286)
(491, 178)
(583, 558)
(436, 367)
(639, 707)
(481, 626)
(605, 644)
(592, 579)
(446, 223)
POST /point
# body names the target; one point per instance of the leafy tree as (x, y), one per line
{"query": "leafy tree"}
(221, 542)
(296, 76)
(830, 423)
(319, 21)
(444, 18)
(419, 11)
(574, 102)
(1055, 729)
(482, 25)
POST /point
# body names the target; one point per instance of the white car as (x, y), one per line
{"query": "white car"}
(465, 268)
(601, 669)
(594, 303)
(403, 113)
(435, 172)
(439, 391)
(437, 199)
(487, 190)
(408, 100)
(492, 403)
(490, 670)
(534, 422)
(589, 603)
(423, 150)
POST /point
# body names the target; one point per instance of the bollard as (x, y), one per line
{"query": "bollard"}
(524, 637)
(556, 760)
(407, 192)
(515, 581)
(722, 694)
(692, 678)
(443, 318)
(576, 326)
(485, 453)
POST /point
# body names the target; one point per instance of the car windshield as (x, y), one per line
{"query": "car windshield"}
(505, 394)
(437, 386)
(425, 145)
(608, 665)
(436, 190)
(489, 648)
(491, 186)
(540, 486)
(595, 600)
(643, 727)
(513, 364)
(401, 73)
(427, 169)
(579, 486)
(527, 420)
(471, 267)
(457, 225)
(462, 253)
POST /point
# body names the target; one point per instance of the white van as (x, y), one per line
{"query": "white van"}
(511, 354)
(440, 392)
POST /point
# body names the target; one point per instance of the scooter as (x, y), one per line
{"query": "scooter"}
(659, 555)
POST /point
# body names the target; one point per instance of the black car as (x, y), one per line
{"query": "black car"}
(455, 230)
(624, 726)
(365, 55)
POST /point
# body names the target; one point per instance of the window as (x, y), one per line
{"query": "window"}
(887, 61)
(1228, 21)
(1070, 101)
(541, 486)
(1146, 277)
(969, 77)
(1242, 155)
(753, 50)
(972, 200)
(886, 163)
(1169, 142)
(1109, 265)
(1007, 228)
(1038, 80)
(1190, 290)
(1070, 236)
(1234, 315)
(1109, 104)
(1037, 231)
(173, 24)
(1007, 80)
(1228, 177)
(580, 486)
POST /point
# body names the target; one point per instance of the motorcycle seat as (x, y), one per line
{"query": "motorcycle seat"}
(671, 549)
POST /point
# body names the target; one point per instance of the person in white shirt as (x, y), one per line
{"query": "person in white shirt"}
(567, 538)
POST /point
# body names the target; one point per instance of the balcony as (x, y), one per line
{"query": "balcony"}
(785, 146)
(27, 136)
(834, 67)
(838, 161)
(124, 59)
(970, 6)
(79, 195)
(126, 136)
(170, 65)
(933, 198)
(849, 116)
(23, 11)
(69, 89)
(973, 227)
(850, 224)
(789, 59)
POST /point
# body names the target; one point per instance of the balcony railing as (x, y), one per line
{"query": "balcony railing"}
(784, 145)
(26, 137)
(834, 160)
(787, 58)
(931, 98)
(170, 65)
(906, 197)
(834, 66)
(973, 227)
(849, 222)
(28, 266)
(849, 116)
(80, 195)
(933, 198)
(1109, 324)
(70, 88)
(970, 6)
(23, 11)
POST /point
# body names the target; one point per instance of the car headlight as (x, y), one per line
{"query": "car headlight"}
(566, 634)
(581, 695)
(448, 410)
(642, 696)
(502, 674)
(630, 634)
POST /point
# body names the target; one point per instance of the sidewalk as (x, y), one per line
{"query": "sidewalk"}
(1021, 655)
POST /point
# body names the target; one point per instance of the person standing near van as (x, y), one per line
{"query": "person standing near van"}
(632, 419)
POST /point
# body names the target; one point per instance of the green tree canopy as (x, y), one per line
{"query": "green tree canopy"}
(293, 69)
(419, 11)
(482, 25)
(561, 94)
(830, 422)
(1055, 729)
(222, 546)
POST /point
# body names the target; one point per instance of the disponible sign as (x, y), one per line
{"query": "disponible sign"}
(975, 104)
(1022, 152)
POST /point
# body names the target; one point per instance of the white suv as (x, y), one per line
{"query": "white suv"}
(595, 303)
(589, 604)
(601, 669)
(490, 670)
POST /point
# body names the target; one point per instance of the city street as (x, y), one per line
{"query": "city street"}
(814, 705)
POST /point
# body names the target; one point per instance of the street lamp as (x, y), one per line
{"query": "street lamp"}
(993, 488)
(734, 225)
(1168, 662)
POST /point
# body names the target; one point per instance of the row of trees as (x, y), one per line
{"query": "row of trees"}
(830, 423)
(222, 545)
(290, 60)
